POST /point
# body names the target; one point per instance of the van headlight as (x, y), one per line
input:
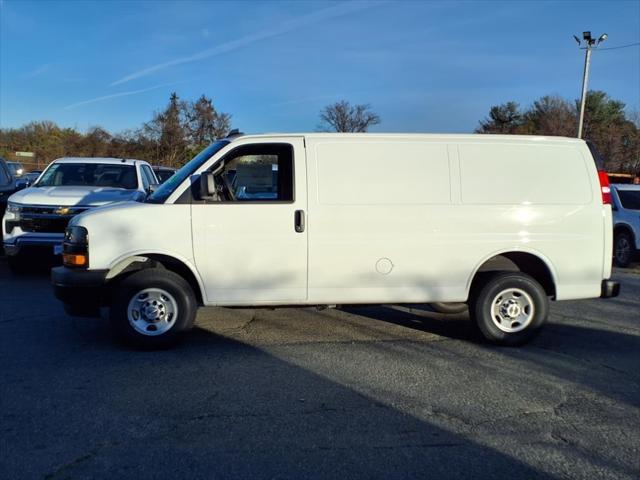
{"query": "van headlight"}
(75, 247)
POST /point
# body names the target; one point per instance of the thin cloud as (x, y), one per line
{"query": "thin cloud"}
(116, 95)
(38, 71)
(300, 101)
(303, 21)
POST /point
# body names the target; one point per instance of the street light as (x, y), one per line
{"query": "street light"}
(589, 43)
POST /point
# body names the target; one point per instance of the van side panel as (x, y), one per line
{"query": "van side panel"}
(515, 174)
(385, 224)
(540, 198)
(379, 216)
(366, 173)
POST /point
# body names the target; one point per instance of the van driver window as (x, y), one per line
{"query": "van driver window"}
(257, 173)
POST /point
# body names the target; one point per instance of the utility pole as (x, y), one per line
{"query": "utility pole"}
(590, 43)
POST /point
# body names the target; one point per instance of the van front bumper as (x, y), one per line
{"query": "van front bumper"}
(81, 291)
(609, 289)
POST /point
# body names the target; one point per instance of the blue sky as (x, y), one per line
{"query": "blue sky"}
(430, 66)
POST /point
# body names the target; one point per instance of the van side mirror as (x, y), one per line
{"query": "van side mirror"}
(208, 190)
(152, 188)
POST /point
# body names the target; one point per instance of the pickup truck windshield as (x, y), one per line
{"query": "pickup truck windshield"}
(90, 174)
(168, 187)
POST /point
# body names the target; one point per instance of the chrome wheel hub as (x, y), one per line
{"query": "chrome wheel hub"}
(152, 311)
(512, 310)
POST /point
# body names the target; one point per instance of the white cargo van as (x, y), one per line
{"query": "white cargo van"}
(504, 223)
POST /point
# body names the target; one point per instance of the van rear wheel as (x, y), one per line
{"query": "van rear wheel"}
(152, 308)
(509, 308)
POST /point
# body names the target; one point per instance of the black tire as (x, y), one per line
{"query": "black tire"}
(158, 279)
(449, 308)
(623, 248)
(19, 264)
(84, 311)
(482, 300)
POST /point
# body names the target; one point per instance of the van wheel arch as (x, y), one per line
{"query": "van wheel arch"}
(145, 261)
(524, 262)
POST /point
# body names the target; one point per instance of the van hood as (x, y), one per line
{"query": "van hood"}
(72, 196)
(106, 212)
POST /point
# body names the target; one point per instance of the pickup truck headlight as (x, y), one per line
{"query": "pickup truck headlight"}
(12, 216)
(75, 247)
(13, 210)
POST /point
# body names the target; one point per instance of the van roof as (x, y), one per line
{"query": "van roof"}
(108, 160)
(426, 136)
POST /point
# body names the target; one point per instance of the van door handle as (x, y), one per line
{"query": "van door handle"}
(299, 221)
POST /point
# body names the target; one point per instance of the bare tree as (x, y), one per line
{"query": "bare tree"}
(344, 117)
(205, 123)
(169, 132)
(551, 115)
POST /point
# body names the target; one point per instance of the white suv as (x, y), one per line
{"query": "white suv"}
(36, 217)
(626, 221)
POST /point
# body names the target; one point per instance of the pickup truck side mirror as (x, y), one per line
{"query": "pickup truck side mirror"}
(152, 188)
(22, 184)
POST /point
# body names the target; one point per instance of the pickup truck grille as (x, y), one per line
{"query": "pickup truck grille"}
(47, 219)
(44, 225)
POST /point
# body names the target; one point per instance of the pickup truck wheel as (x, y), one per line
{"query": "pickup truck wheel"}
(623, 249)
(449, 308)
(152, 308)
(509, 308)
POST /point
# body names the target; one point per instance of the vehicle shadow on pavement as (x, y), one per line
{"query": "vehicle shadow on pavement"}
(212, 407)
(421, 318)
(581, 354)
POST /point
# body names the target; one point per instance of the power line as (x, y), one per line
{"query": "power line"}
(621, 46)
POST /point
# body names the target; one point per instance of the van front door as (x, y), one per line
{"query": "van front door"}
(250, 242)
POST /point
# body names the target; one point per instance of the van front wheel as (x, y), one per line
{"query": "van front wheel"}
(509, 308)
(152, 308)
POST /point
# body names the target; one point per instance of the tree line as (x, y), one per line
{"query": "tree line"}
(614, 132)
(183, 128)
(170, 138)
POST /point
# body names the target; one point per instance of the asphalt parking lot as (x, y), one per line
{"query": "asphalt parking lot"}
(384, 392)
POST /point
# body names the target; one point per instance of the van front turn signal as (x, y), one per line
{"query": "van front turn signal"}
(74, 259)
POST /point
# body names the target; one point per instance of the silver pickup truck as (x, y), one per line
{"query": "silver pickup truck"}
(36, 217)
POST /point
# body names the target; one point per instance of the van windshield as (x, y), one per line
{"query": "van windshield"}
(167, 188)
